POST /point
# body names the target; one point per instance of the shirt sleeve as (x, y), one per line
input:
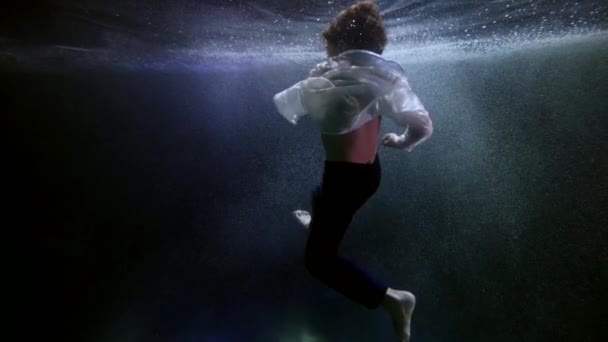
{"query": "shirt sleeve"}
(289, 103)
(400, 100)
(310, 96)
(406, 110)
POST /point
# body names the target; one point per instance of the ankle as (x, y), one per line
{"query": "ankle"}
(389, 298)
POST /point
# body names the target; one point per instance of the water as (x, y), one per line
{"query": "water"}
(155, 182)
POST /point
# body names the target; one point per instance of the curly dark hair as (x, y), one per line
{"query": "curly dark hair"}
(357, 27)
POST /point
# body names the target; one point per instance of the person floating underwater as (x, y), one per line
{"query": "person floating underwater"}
(346, 97)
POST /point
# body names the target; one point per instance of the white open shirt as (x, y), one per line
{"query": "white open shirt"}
(379, 87)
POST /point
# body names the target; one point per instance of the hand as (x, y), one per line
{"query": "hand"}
(405, 141)
(393, 140)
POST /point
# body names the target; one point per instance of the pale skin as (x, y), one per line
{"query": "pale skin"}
(359, 146)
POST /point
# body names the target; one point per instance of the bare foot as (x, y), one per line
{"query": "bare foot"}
(303, 217)
(400, 305)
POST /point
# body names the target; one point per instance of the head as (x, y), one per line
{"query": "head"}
(357, 27)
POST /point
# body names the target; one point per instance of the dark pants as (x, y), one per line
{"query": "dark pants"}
(345, 187)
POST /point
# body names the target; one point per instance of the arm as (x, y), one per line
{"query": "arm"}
(318, 97)
(418, 128)
(289, 103)
(406, 110)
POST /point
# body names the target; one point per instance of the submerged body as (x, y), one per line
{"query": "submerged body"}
(346, 97)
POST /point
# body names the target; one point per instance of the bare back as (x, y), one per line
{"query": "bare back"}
(358, 146)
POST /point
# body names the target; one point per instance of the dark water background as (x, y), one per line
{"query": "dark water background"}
(156, 203)
(159, 205)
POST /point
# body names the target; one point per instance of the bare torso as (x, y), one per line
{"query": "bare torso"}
(358, 146)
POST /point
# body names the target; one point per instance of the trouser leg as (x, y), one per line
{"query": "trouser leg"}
(327, 230)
